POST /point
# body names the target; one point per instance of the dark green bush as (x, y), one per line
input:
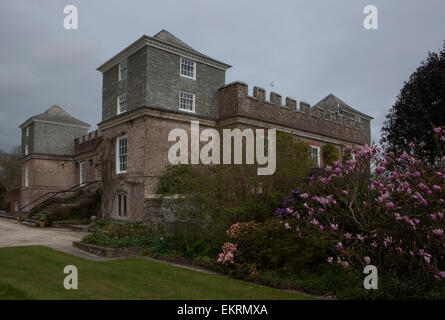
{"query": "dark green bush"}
(330, 153)
(268, 246)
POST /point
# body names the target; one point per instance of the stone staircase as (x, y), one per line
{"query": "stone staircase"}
(33, 219)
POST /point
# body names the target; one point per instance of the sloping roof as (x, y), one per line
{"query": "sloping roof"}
(165, 41)
(333, 103)
(58, 115)
(166, 36)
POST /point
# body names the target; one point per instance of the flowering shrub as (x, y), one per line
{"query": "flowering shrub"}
(226, 257)
(379, 209)
(263, 246)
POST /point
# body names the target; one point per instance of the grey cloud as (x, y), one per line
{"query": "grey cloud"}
(307, 48)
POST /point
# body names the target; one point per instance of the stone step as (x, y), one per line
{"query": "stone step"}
(31, 223)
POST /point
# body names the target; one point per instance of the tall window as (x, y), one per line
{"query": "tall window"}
(121, 155)
(122, 205)
(26, 150)
(186, 101)
(123, 70)
(315, 155)
(27, 177)
(27, 131)
(188, 68)
(122, 104)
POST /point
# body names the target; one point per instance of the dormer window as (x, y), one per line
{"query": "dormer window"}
(188, 68)
(121, 104)
(123, 70)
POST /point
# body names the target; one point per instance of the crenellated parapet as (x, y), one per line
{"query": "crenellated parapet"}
(87, 142)
(234, 100)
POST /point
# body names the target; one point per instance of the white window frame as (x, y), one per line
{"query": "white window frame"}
(27, 131)
(318, 154)
(26, 176)
(16, 205)
(180, 68)
(26, 149)
(82, 173)
(194, 101)
(118, 159)
(122, 205)
(121, 68)
(119, 111)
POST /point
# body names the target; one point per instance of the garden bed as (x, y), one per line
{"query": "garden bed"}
(108, 252)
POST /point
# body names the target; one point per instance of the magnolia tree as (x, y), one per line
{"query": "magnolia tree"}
(379, 208)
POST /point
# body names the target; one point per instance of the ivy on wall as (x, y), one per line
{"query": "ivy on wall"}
(330, 153)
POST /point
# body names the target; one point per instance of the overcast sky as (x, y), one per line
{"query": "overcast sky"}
(307, 48)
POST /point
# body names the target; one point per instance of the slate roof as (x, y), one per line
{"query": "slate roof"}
(58, 115)
(331, 102)
(162, 37)
(166, 36)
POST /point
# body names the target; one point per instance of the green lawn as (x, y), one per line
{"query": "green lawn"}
(36, 272)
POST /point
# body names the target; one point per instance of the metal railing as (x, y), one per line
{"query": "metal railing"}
(52, 194)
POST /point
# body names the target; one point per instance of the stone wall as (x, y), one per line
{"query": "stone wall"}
(164, 83)
(55, 139)
(154, 80)
(234, 101)
(134, 86)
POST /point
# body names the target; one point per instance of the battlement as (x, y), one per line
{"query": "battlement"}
(235, 101)
(87, 142)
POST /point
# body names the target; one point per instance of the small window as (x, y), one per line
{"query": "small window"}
(27, 132)
(121, 155)
(186, 101)
(123, 70)
(315, 155)
(357, 122)
(122, 104)
(122, 205)
(188, 68)
(26, 150)
(27, 177)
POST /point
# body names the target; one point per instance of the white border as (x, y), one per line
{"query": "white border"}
(194, 68)
(118, 109)
(179, 101)
(318, 154)
(117, 154)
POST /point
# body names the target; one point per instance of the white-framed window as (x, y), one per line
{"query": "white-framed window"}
(186, 101)
(121, 154)
(26, 150)
(122, 205)
(121, 104)
(188, 68)
(26, 176)
(123, 70)
(16, 205)
(27, 132)
(315, 155)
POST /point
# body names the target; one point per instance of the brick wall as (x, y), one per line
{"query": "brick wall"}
(234, 101)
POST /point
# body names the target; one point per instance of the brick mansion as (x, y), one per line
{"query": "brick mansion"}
(155, 85)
